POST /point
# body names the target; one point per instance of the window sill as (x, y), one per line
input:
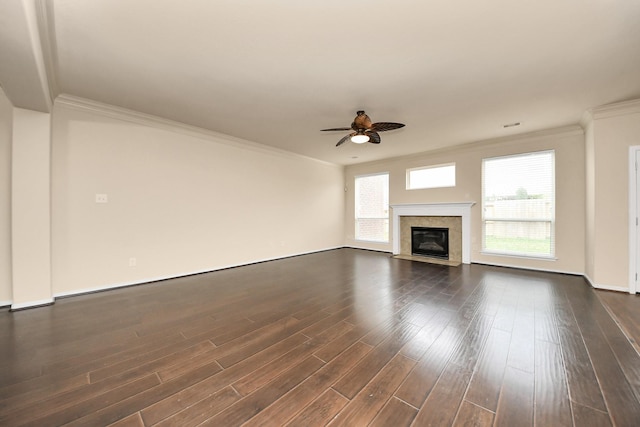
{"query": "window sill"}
(531, 257)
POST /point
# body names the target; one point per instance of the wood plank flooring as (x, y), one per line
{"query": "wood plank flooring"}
(625, 311)
(342, 338)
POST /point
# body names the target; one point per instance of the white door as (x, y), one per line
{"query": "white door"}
(634, 218)
(633, 287)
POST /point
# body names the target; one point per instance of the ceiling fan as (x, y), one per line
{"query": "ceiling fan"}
(364, 130)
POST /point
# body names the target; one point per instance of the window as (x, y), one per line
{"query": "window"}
(372, 207)
(432, 177)
(518, 204)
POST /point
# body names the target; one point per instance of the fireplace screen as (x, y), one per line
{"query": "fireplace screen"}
(429, 241)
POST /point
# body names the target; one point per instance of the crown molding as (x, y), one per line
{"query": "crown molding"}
(48, 45)
(616, 109)
(136, 117)
(587, 119)
(559, 132)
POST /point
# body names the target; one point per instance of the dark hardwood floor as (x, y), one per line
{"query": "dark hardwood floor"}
(344, 337)
(625, 309)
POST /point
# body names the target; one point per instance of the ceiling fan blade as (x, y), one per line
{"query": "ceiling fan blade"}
(345, 139)
(374, 137)
(382, 126)
(332, 129)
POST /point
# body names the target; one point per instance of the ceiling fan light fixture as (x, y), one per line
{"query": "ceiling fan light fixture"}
(359, 139)
(364, 130)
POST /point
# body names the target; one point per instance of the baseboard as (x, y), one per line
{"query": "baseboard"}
(519, 267)
(606, 287)
(193, 273)
(367, 249)
(4, 304)
(180, 275)
(31, 304)
(612, 288)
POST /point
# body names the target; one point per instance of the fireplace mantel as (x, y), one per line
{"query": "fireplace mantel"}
(461, 209)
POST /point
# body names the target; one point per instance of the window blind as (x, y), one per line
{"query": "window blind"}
(372, 207)
(518, 196)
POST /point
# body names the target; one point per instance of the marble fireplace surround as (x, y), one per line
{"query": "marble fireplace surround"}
(461, 209)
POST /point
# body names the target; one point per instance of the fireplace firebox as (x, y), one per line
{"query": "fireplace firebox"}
(430, 242)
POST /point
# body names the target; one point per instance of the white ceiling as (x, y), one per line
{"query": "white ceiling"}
(454, 71)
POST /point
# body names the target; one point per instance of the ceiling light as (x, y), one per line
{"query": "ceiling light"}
(359, 139)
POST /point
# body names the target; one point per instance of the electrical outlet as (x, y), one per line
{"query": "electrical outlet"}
(102, 198)
(133, 262)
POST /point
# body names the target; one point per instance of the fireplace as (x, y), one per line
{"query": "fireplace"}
(456, 216)
(430, 241)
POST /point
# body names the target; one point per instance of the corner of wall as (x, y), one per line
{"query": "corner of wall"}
(6, 132)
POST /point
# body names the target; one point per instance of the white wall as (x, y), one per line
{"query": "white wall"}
(590, 197)
(179, 201)
(31, 208)
(615, 128)
(568, 144)
(6, 131)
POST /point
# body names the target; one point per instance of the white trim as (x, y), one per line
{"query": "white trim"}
(520, 267)
(610, 288)
(30, 304)
(177, 276)
(121, 285)
(46, 30)
(633, 192)
(521, 256)
(588, 279)
(156, 122)
(561, 132)
(586, 119)
(6, 303)
(605, 287)
(363, 248)
(376, 242)
(31, 15)
(461, 209)
(617, 109)
(372, 174)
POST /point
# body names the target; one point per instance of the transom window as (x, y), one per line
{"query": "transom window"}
(431, 176)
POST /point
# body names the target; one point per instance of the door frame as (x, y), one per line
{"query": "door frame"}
(634, 151)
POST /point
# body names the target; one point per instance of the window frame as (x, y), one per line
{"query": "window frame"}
(551, 219)
(355, 206)
(438, 166)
